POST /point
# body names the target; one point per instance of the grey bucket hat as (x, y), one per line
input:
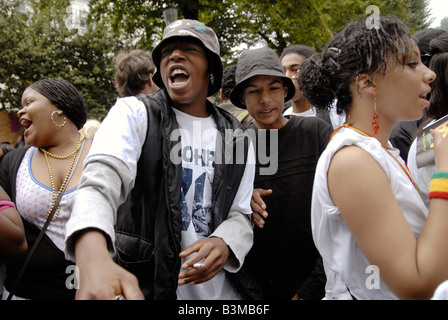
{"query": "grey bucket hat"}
(201, 33)
(258, 62)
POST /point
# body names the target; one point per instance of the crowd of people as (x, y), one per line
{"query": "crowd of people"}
(292, 188)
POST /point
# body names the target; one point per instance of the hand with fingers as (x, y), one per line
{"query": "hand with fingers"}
(440, 150)
(104, 280)
(100, 278)
(259, 213)
(208, 259)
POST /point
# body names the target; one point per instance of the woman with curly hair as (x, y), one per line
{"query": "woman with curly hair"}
(374, 233)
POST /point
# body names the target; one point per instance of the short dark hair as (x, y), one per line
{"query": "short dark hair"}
(355, 50)
(438, 106)
(301, 49)
(228, 80)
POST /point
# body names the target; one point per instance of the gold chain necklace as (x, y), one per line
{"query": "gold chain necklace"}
(47, 153)
(54, 195)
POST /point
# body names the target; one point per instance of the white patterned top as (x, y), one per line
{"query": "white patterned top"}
(34, 200)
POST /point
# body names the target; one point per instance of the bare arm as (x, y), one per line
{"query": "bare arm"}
(411, 267)
(12, 234)
(100, 277)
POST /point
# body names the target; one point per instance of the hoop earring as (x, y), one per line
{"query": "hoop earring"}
(375, 118)
(59, 112)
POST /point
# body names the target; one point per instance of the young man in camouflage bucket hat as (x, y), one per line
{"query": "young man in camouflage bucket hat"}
(186, 212)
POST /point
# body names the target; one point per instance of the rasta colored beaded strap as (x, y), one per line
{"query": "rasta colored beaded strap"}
(404, 168)
(438, 188)
(6, 205)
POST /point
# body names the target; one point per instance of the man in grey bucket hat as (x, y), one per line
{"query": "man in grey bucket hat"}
(262, 61)
(158, 170)
(282, 200)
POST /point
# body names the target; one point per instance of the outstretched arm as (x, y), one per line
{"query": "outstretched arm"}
(100, 277)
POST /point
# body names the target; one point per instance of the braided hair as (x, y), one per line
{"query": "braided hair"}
(64, 96)
(355, 50)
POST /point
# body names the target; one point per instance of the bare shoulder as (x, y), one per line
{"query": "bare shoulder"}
(353, 171)
(352, 158)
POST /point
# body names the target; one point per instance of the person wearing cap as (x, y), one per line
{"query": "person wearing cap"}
(283, 258)
(156, 193)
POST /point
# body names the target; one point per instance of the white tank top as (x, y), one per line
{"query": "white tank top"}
(346, 267)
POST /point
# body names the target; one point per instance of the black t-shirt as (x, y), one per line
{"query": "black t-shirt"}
(284, 255)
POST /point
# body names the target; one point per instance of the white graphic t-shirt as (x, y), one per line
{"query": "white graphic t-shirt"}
(198, 136)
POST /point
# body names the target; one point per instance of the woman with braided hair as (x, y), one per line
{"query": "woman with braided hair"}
(370, 225)
(52, 113)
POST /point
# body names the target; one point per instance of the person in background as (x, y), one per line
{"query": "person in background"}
(438, 108)
(52, 112)
(133, 73)
(5, 148)
(156, 194)
(403, 133)
(12, 235)
(283, 256)
(90, 128)
(292, 59)
(228, 82)
(369, 223)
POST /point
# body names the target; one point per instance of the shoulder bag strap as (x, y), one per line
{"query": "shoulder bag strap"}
(45, 226)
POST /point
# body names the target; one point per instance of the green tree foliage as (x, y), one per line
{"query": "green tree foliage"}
(276, 24)
(36, 43)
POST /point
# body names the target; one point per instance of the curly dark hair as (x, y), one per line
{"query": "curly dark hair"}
(355, 50)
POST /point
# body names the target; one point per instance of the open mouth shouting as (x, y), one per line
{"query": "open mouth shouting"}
(178, 77)
(26, 124)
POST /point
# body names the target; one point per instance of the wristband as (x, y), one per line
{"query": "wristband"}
(438, 188)
(4, 204)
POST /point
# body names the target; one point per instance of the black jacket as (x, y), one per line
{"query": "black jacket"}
(149, 223)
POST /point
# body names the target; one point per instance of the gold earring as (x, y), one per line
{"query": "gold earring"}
(59, 112)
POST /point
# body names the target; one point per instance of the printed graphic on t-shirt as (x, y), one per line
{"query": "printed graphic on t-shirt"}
(198, 214)
(198, 161)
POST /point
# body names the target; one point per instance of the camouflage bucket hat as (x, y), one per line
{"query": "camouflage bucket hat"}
(206, 36)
